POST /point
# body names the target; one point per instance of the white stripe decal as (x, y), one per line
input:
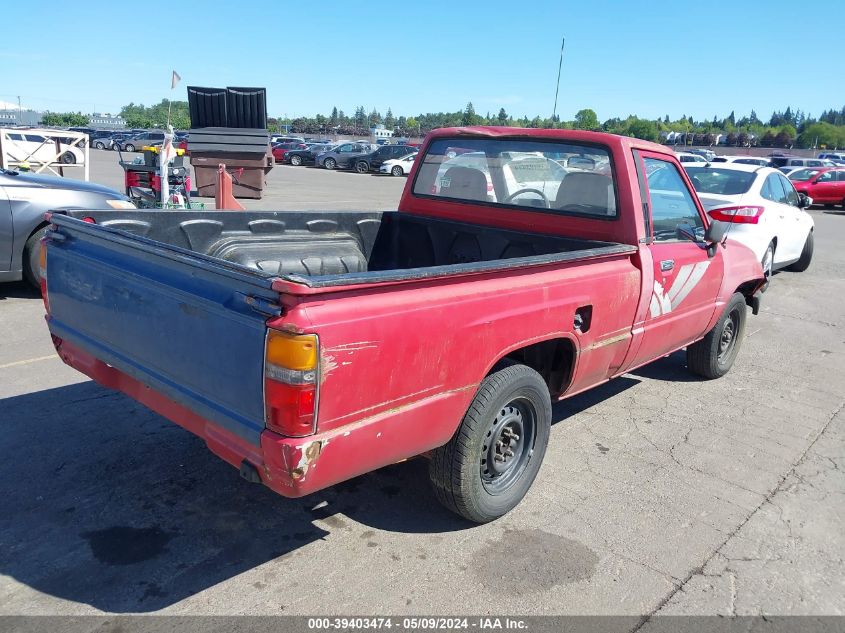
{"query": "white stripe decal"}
(680, 280)
(695, 277)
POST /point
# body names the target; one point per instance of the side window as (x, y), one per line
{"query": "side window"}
(671, 202)
(776, 189)
(789, 190)
(34, 138)
(826, 177)
(766, 191)
(840, 175)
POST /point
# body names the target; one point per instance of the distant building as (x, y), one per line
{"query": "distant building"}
(11, 117)
(107, 121)
(379, 131)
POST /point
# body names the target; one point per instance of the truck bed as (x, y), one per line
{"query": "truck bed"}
(321, 249)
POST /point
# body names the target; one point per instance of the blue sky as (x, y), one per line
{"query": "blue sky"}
(646, 58)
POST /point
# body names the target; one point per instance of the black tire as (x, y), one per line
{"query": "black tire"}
(295, 160)
(362, 167)
(396, 170)
(31, 256)
(714, 355)
(67, 158)
(828, 205)
(803, 262)
(511, 399)
(129, 147)
(330, 163)
(99, 145)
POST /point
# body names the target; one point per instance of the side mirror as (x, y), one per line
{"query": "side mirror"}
(804, 200)
(714, 234)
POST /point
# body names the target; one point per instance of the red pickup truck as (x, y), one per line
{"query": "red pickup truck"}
(522, 266)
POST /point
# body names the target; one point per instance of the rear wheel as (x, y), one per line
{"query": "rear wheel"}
(330, 163)
(129, 147)
(31, 252)
(362, 167)
(714, 355)
(803, 262)
(67, 158)
(99, 145)
(295, 160)
(490, 463)
(397, 170)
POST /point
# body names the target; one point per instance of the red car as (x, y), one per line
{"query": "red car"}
(826, 187)
(280, 149)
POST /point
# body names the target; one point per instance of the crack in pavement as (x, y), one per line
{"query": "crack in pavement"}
(699, 570)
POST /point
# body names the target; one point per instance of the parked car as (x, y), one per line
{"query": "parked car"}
(24, 198)
(836, 157)
(766, 212)
(470, 317)
(101, 139)
(797, 161)
(32, 147)
(398, 166)
(280, 138)
(742, 160)
(687, 157)
(707, 154)
(280, 149)
(139, 141)
(307, 156)
(85, 130)
(343, 156)
(373, 160)
(826, 187)
(115, 141)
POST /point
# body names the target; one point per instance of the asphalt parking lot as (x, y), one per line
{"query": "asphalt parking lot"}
(660, 492)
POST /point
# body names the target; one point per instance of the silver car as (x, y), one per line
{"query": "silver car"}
(24, 198)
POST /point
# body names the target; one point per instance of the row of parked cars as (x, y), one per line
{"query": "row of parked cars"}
(362, 156)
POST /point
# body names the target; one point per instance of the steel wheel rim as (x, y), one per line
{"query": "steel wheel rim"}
(508, 445)
(727, 339)
(295, 160)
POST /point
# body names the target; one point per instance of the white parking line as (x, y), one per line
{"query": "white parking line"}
(30, 360)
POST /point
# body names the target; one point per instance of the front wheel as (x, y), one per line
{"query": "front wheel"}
(330, 163)
(803, 262)
(396, 171)
(67, 158)
(362, 167)
(99, 145)
(488, 466)
(129, 147)
(714, 355)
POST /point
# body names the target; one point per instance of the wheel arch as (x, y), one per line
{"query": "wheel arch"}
(553, 358)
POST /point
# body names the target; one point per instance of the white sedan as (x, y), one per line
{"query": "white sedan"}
(398, 166)
(765, 211)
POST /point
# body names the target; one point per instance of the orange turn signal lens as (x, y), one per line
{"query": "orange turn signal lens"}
(42, 258)
(292, 351)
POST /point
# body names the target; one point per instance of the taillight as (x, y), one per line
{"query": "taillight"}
(290, 383)
(738, 215)
(42, 272)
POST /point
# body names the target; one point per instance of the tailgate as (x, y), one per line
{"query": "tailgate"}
(180, 322)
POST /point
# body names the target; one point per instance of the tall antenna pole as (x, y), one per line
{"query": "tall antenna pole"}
(559, 67)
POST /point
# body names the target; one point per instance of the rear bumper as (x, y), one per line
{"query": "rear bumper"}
(294, 467)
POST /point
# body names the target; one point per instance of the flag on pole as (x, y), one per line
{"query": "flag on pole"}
(175, 79)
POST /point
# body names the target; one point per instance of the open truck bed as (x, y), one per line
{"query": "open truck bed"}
(321, 249)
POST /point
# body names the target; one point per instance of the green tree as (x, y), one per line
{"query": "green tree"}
(333, 119)
(586, 119)
(502, 117)
(64, 119)
(469, 116)
(360, 117)
(644, 129)
(412, 125)
(389, 120)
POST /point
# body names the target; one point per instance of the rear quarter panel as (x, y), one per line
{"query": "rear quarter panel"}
(385, 351)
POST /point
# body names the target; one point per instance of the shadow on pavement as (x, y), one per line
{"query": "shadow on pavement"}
(18, 290)
(111, 505)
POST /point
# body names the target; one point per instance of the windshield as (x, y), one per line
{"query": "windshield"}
(561, 177)
(725, 182)
(803, 174)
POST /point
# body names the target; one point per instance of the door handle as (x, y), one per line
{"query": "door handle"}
(667, 265)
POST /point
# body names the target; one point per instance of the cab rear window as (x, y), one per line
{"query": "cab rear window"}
(565, 178)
